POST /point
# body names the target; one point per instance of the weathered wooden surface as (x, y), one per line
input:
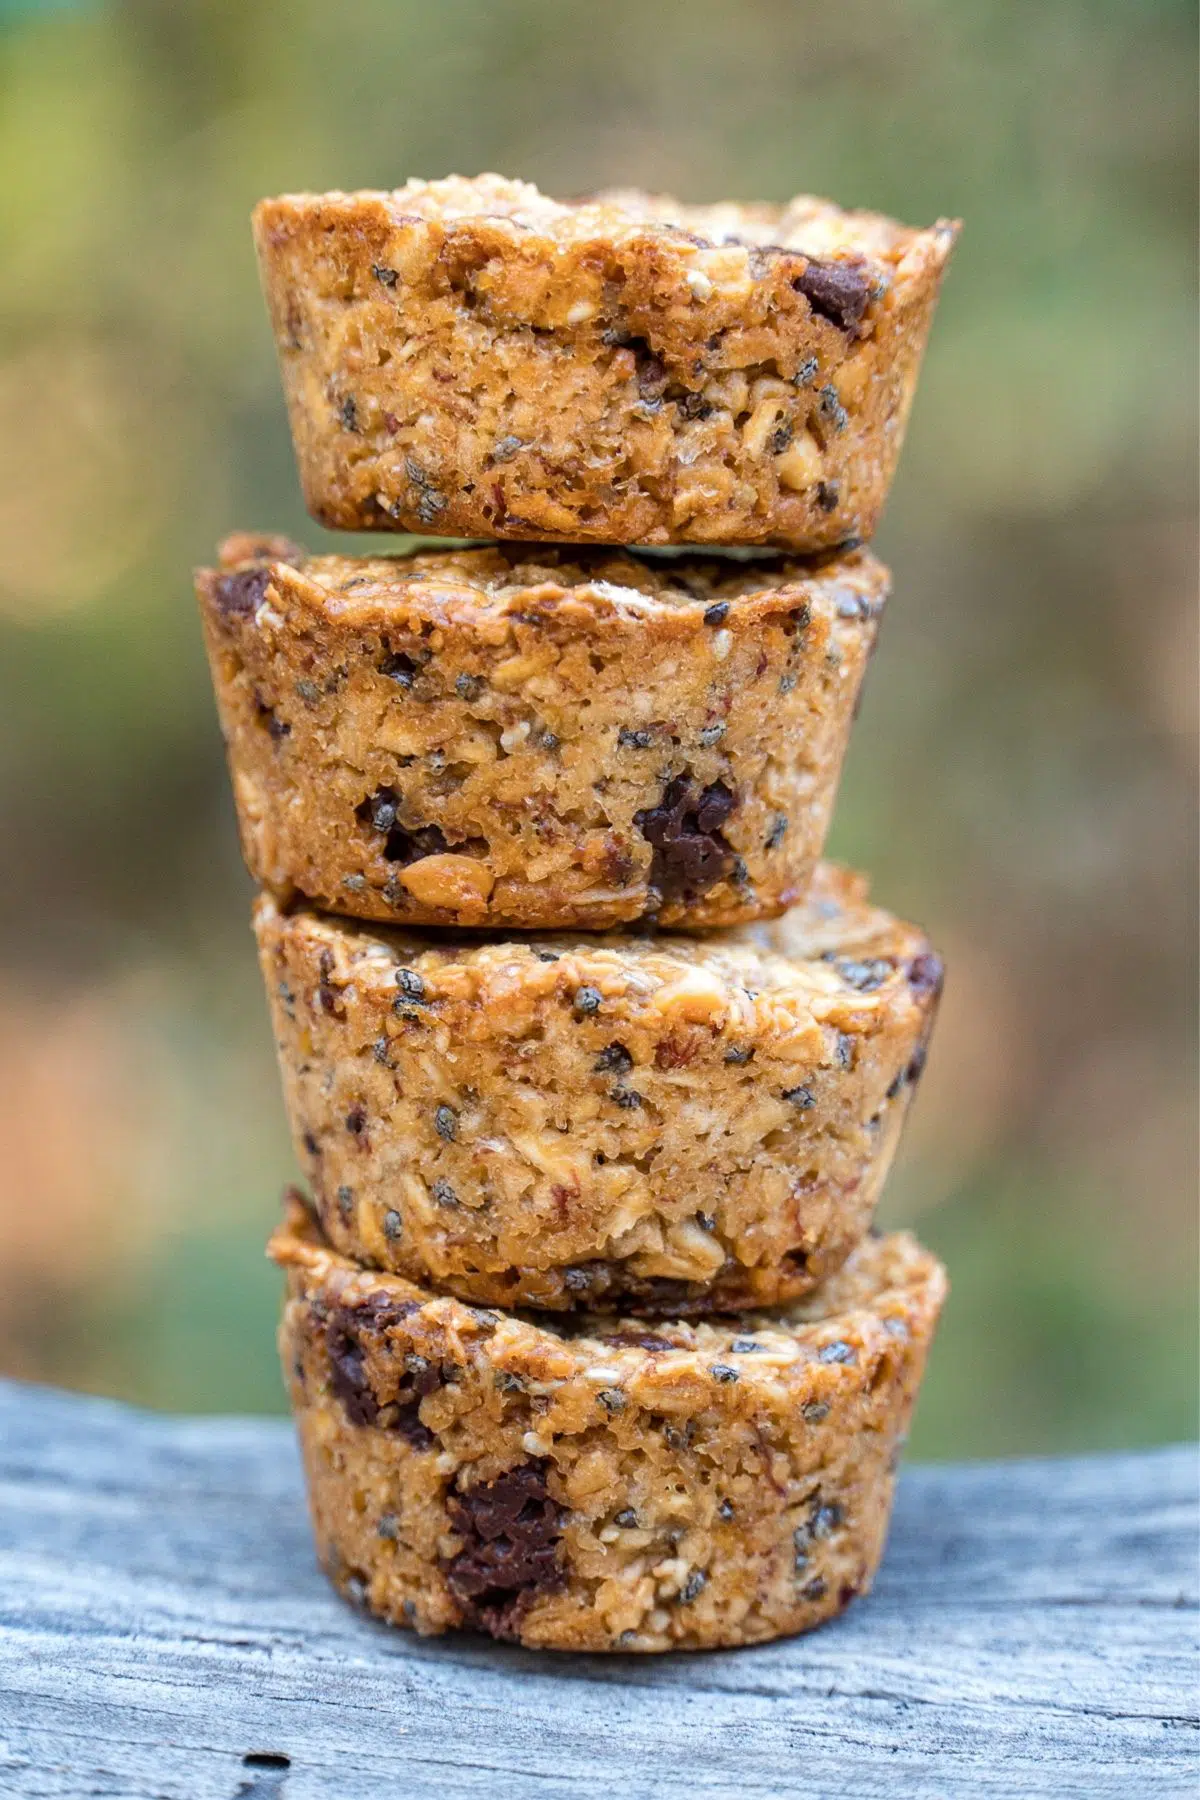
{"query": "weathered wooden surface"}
(161, 1622)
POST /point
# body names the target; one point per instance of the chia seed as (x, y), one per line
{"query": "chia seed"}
(813, 1411)
(348, 413)
(777, 832)
(613, 1060)
(693, 1586)
(389, 277)
(391, 1225)
(388, 1527)
(712, 734)
(445, 1122)
(444, 1194)
(627, 1519)
(587, 1000)
(725, 1510)
(627, 1098)
(410, 984)
(866, 976)
(345, 1200)
(716, 614)
(740, 1053)
(803, 1097)
(724, 1373)
(612, 1400)
(468, 687)
(379, 1050)
(832, 410)
(837, 1352)
(745, 1346)
(806, 373)
(634, 740)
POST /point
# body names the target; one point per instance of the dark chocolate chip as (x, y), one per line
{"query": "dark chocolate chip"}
(925, 973)
(690, 853)
(243, 592)
(511, 1530)
(839, 291)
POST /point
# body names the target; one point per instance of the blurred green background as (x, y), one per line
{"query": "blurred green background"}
(1021, 778)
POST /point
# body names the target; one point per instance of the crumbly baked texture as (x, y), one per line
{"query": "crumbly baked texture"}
(611, 1487)
(518, 738)
(473, 358)
(664, 1123)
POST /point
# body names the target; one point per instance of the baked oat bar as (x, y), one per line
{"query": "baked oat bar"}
(664, 1123)
(605, 1486)
(472, 358)
(521, 738)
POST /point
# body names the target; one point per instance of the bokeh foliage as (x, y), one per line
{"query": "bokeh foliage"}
(1021, 777)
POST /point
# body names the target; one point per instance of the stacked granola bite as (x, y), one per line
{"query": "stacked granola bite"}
(594, 1068)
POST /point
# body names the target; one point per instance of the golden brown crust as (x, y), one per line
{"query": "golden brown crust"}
(506, 738)
(610, 1489)
(666, 1123)
(473, 358)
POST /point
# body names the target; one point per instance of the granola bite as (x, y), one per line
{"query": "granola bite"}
(668, 1124)
(473, 358)
(525, 738)
(602, 1486)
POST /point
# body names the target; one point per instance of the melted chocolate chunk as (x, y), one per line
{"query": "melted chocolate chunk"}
(242, 593)
(839, 291)
(690, 854)
(347, 1366)
(925, 973)
(511, 1529)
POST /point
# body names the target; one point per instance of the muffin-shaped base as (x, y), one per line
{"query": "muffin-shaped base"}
(472, 358)
(611, 1489)
(667, 1124)
(490, 738)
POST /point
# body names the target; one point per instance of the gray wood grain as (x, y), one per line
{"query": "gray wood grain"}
(1033, 1634)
